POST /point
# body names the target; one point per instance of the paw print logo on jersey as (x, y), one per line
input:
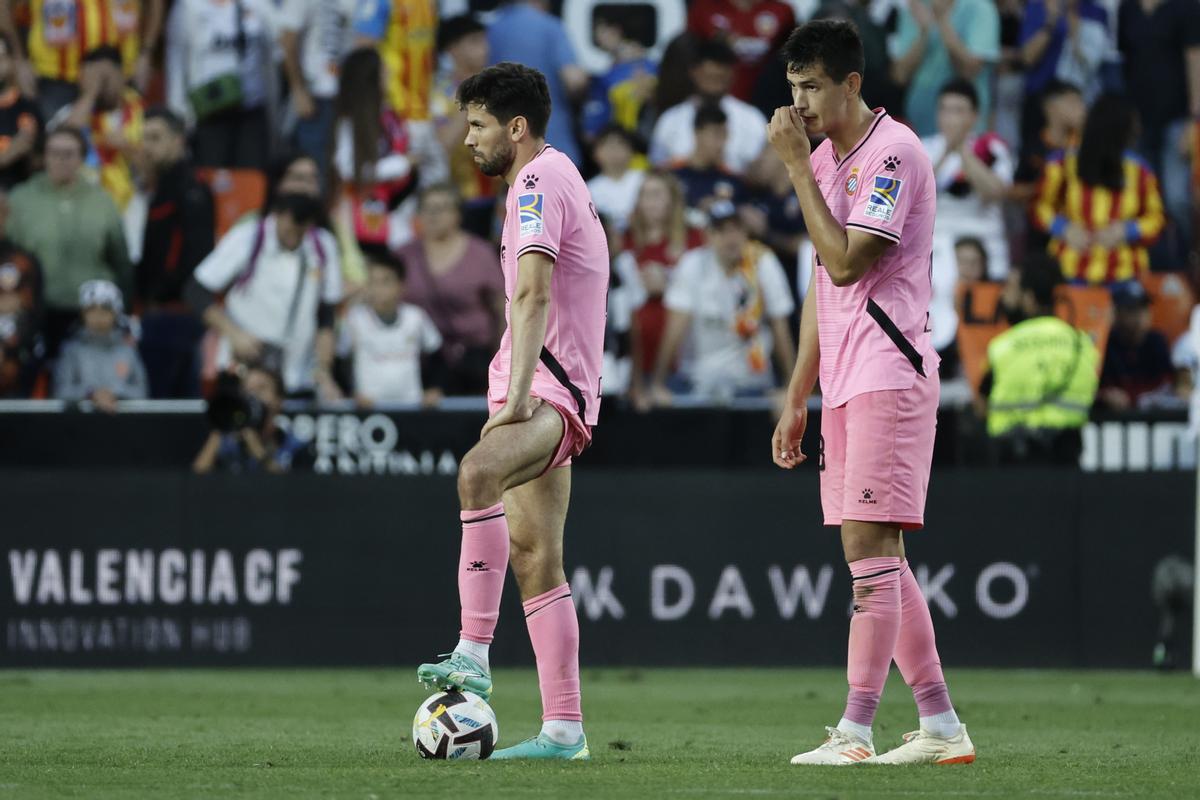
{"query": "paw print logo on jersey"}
(890, 163)
(868, 497)
(531, 182)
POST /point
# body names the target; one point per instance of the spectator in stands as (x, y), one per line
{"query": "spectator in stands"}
(1065, 39)
(940, 40)
(703, 176)
(1100, 203)
(1041, 378)
(379, 156)
(623, 95)
(773, 214)
(248, 440)
(753, 29)
(315, 36)
(63, 32)
(1063, 111)
(20, 315)
(622, 341)
(615, 189)
(178, 236)
(100, 363)
(658, 237)
(455, 277)
(712, 75)
(973, 174)
(1159, 41)
(20, 123)
(111, 114)
(389, 340)
(282, 282)
(1138, 370)
(404, 33)
(220, 77)
(525, 32)
(292, 173)
(72, 227)
(463, 42)
(732, 301)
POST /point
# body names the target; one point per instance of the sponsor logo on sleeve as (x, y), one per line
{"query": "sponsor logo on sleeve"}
(881, 205)
(529, 210)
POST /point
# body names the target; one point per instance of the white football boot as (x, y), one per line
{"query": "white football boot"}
(922, 747)
(839, 750)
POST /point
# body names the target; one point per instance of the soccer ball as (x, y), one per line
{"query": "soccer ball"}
(455, 725)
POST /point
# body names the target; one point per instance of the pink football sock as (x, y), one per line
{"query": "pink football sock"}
(916, 651)
(874, 627)
(554, 631)
(482, 564)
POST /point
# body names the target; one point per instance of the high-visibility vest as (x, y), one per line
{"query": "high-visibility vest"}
(1044, 376)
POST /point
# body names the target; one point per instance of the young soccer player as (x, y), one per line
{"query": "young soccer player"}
(868, 198)
(544, 398)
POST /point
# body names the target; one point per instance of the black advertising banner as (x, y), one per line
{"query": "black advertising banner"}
(1021, 568)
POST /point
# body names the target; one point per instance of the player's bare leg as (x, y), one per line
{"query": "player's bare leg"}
(507, 456)
(537, 514)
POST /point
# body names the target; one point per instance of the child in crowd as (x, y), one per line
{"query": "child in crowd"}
(387, 339)
(615, 189)
(101, 362)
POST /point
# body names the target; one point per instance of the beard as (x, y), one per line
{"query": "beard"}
(499, 163)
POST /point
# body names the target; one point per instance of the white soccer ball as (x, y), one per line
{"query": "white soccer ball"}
(455, 725)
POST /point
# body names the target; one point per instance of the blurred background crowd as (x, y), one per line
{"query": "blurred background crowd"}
(279, 187)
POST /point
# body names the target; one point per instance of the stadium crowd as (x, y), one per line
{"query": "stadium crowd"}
(281, 184)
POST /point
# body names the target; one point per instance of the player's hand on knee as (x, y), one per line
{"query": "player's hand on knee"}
(785, 444)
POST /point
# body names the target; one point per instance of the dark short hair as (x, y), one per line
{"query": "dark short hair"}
(709, 113)
(72, 132)
(832, 44)
(453, 30)
(1041, 275)
(104, 53)
(442, 187)
(1057, 88)
(973, 242)
(168, 118)
(613, 129)
(961, 87)
(713, 50)
(509, 90)
(378, 255)
(303, 208)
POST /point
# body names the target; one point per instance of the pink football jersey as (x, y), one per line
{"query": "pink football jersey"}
(549, 210)
(874, 334)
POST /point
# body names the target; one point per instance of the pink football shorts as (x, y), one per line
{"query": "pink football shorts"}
(876, 451)
(577, 435)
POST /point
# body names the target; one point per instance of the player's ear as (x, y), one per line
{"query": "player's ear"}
(854, 83)
(518, 128)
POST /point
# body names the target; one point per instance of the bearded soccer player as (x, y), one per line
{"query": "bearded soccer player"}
(868, 198)
(543, 399)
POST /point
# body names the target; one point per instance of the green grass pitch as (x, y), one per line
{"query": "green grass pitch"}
(653, 733)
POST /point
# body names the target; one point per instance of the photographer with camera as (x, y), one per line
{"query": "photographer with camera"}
(281, 280)
(244, 437)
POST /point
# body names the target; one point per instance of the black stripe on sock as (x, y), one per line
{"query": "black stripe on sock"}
(482, 519)
(547, 603)
(874, 574)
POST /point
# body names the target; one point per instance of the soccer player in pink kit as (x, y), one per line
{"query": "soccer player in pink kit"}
(543, 399)
(868, 198)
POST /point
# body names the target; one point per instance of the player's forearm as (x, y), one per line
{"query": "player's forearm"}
(808, 353)
(529, 315)
(785, 351)
(828, 237)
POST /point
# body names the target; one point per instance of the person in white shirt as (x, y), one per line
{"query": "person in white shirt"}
(315, 36)
(974, 173)
(220, 78)
(282, 280)
(712, 75)
(387, 338)
(732, 302)
(615, 189)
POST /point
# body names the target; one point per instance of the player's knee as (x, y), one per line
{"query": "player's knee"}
(476, 484)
